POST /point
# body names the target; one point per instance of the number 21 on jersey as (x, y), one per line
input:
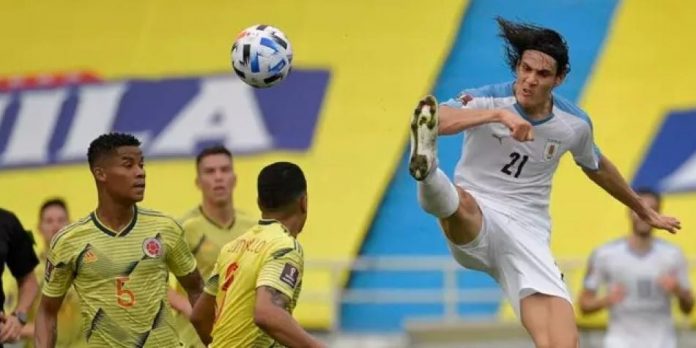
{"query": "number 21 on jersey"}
(514, 157)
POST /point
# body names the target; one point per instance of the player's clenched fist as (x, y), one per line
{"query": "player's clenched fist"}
(520, 129)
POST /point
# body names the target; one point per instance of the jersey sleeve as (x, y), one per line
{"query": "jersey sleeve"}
(584, 150)
(466, 100)
(179, 258)
(60, 268)
(212, 284)
(595, 275)
(282, 269)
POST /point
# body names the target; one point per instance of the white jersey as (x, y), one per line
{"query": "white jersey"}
(644, 317)
(515, 177)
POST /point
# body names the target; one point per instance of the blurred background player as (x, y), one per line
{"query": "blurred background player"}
(209, 226)
(515, 135)
(642, 274)
(118, 258)
(17, 251)
(249, 298)
(53, 216)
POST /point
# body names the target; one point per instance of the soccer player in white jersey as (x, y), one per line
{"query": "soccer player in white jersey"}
(641, 274)
(495, 215)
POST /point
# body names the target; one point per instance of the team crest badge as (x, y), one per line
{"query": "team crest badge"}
(152, 247)
(551, 149)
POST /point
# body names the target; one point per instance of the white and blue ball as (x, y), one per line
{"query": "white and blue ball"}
(261, 56)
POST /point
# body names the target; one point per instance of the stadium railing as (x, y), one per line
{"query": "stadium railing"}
(449, 295)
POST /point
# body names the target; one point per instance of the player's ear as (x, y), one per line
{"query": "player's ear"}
(303, 203)
(234, 180)
(560, 78)
(197, 181)
(99, 174)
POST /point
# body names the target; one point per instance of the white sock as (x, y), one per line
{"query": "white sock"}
(437, 195)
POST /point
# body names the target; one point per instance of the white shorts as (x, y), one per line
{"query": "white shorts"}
(514, 255)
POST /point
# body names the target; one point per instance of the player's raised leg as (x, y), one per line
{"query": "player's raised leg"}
(549, 320)
(458, 212)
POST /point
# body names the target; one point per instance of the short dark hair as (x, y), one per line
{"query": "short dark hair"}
(212, 150)
(520, 37)
(57, 202)
(646, 191)
(107, 143)
(279, 184)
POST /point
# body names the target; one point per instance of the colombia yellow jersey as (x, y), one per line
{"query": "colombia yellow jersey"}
(205, 238)
(266, 255)
(68, 328)
(120, 277)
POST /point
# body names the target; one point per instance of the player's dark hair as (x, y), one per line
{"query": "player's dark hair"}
(212, 150)
(520, 37)
(106, 143)
(53, 202)
(645, 191)
(280, 184)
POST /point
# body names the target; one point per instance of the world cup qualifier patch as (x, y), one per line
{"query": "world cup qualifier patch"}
(152, 247)
(290, 275)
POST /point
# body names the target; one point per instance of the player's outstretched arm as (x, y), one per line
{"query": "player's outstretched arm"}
(685, 299)
(203, 315)
(179, 303)
(591, 302)
(609, 178)
(454, 120)
(45, 331)
(271, 316)
(193, 284)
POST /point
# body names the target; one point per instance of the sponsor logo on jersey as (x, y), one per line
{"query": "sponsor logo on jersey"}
(89, 257)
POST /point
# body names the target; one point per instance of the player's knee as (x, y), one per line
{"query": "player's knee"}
(555, 340)
(467, 203)
(567, 339)
(542, 340)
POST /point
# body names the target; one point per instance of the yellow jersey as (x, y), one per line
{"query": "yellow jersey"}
(205, 238)
(68, 328)
(120, 277)
(266, 255)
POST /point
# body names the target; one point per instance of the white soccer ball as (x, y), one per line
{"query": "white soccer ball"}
(261, 56)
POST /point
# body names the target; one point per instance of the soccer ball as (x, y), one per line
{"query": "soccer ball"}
(261, 56)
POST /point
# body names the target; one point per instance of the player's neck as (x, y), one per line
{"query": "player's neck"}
(115, 215)
(640, 244)
(221, 214)
(292, 222)
(540, 111)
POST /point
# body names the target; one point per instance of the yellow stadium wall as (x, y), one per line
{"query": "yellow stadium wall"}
(381, 55)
